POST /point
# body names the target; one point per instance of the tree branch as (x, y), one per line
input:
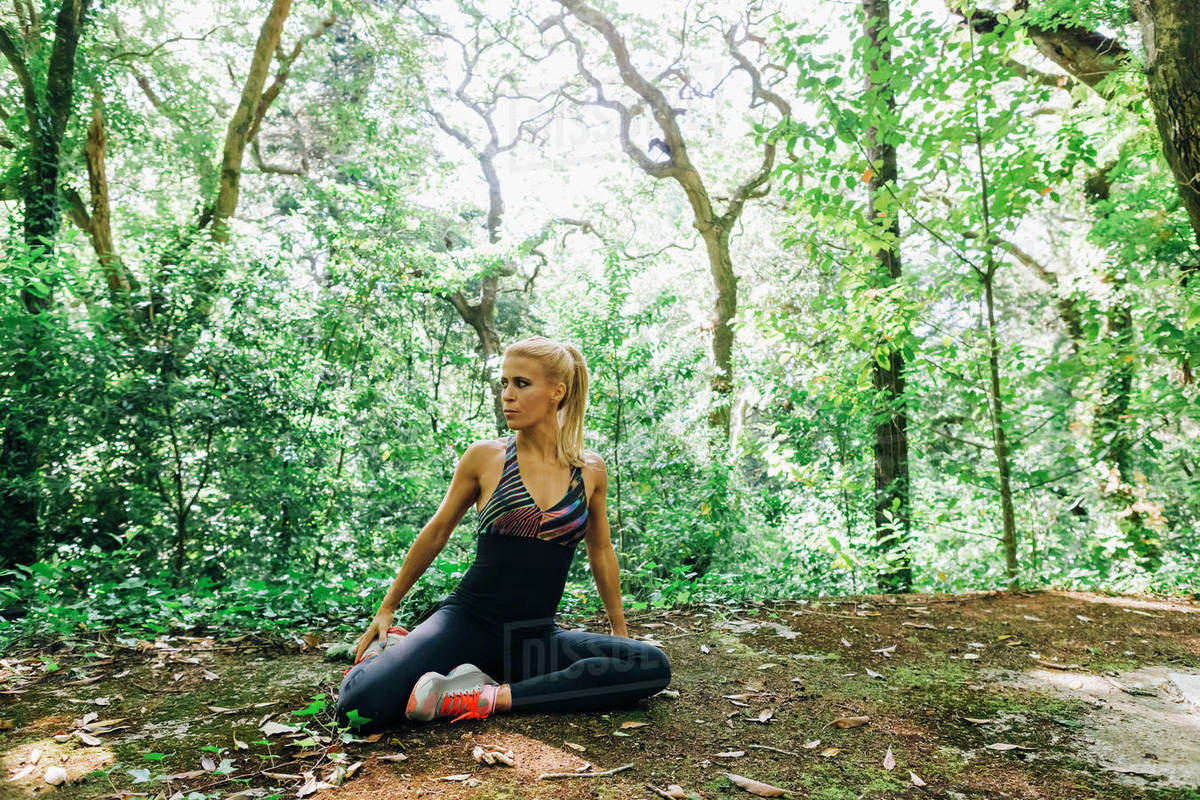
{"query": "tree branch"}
(285, 66)
(759, 94)
(60, 74)
(1089, 56)
(9, 48)
(244, 118)
(663, 113)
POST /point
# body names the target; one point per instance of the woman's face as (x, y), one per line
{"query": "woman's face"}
(526, 394)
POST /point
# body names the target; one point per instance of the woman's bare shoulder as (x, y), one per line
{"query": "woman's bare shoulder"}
(489, 444)
(484, 451)
(592, 462)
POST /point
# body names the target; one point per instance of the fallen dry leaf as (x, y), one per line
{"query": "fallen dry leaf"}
(337, 776)
(195, 773)
(633, 724)
(977, 721)
(100, 726)
(460, 777)
(308, 788)
(889, 761)
(850, 722)
(574, 746)
(912, 776)
(829, 752)
(886, 651)
(813, 745)
(395, 757)
(1004, 746)
(731, 754)
(764, 716)
(873, 674)
(755, 787)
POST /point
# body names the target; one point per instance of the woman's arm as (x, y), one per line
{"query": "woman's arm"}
(601, 556)
(463, 491)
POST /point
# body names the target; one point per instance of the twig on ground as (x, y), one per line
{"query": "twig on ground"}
(772, 749)
(148, 689)
(1052, 665)
(549, 775)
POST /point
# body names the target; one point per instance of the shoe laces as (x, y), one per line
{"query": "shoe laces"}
(466, 701)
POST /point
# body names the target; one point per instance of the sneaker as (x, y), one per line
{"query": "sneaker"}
(466, 691)
(394, 635)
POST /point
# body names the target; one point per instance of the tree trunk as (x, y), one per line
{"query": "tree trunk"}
(1171, 38)
(714, 228)
(481, 316)
(720, 265)
(1112, 434)
(892, 502)
(48, 107)
(1000, 444)
(244, 122)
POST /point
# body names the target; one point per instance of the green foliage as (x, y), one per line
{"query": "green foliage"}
(254, 434)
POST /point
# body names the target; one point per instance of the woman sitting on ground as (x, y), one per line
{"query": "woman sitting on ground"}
(499, 620)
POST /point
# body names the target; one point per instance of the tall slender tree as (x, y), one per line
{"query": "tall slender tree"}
(892, 502)
(484, 105)
(45, 72)
(715, 226)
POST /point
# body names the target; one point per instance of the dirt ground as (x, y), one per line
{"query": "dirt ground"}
(1001, 695)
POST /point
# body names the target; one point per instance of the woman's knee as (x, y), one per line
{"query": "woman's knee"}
(351, 694)
(367, 695)
(658, 665)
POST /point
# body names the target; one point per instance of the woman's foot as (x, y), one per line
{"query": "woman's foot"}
(467, 692)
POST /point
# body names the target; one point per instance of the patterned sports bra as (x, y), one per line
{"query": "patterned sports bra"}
(510, 511)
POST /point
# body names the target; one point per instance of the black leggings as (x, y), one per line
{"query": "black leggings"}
(547, 668)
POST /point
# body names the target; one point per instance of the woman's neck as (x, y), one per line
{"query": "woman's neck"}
(540, 441)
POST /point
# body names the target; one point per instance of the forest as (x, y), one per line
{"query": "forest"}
(877, 297)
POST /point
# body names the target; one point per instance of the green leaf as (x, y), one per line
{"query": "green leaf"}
(38, 289)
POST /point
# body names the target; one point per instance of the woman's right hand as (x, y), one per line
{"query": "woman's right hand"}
(377, 631)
